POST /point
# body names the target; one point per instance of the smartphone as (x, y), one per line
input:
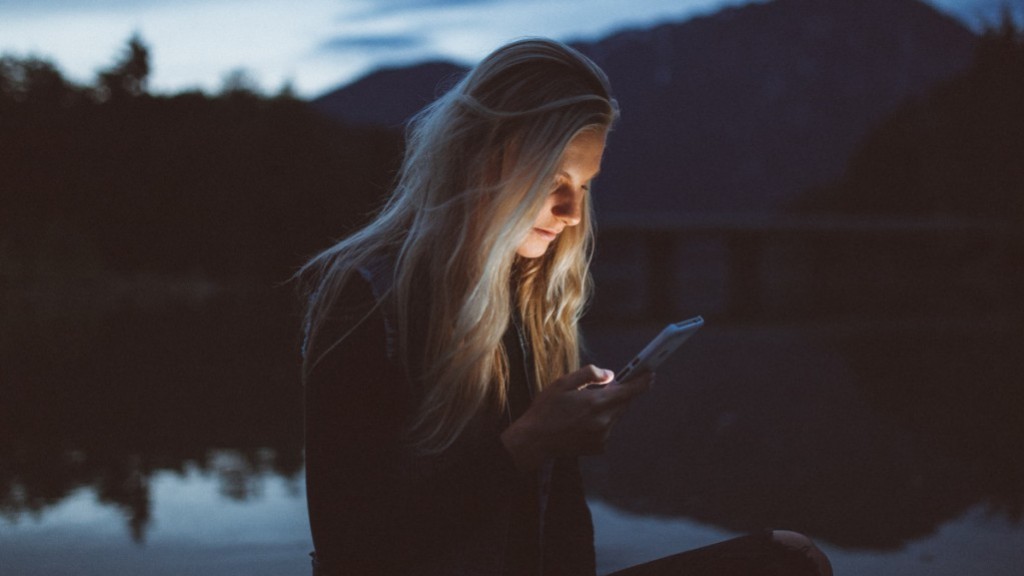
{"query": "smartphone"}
(660, 348)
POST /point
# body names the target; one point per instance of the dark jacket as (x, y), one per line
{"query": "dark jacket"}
(376, 507)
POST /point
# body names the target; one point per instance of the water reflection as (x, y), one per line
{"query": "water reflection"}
(104, 399)
(971, 544)
(867, 435)
(779, 426)
(194, 530)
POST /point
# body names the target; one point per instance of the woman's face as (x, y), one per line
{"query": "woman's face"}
(564, 206)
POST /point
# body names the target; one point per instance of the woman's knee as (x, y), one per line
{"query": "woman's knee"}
(799, 543)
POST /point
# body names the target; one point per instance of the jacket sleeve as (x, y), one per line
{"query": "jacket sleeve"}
(569, 529)
(374, 507)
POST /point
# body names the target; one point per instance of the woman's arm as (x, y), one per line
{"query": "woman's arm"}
(375, 508)
(354, 411)
(568, 529)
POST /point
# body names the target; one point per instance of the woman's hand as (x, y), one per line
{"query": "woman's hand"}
(571, 416)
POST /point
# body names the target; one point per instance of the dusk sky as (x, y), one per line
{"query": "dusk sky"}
(317, 45)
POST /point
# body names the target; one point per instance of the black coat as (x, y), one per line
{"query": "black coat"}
(376, 507)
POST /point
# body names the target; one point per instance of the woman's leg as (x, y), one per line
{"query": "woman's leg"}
(771, 553)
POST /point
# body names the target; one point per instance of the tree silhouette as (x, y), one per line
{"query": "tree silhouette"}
(239, 82)
(958, 152)
(105, 184)
(34, 81)
(111, 179)
(128, 77)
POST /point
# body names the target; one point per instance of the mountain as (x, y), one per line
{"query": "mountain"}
(739, 111)
(389, 96)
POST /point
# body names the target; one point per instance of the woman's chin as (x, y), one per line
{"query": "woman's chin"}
(532, 249)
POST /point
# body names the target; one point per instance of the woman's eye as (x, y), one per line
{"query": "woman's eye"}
(562, 185)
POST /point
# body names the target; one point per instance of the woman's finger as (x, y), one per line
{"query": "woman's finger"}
(583, 377)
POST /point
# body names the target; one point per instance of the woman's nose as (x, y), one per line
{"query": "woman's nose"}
(569, 207)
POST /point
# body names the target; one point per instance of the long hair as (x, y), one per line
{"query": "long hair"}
(480, 162)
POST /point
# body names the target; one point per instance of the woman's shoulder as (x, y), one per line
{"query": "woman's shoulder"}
(359, 308)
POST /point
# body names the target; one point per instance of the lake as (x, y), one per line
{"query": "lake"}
(165, 438)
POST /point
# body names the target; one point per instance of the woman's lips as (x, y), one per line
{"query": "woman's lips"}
(546, 234)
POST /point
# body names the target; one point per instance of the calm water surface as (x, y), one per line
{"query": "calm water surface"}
(169, 442)
(196, 530)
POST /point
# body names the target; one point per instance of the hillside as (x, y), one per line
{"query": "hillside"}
(735, 112)
(387, 97)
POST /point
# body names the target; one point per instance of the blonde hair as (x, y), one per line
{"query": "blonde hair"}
(480, 162)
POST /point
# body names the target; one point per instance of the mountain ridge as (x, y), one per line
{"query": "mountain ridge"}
(738, 111)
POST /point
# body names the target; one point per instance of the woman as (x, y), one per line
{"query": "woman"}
(445, 402)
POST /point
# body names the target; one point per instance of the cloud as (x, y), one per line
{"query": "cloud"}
(83, 6)
(381, 8)
(374, 43)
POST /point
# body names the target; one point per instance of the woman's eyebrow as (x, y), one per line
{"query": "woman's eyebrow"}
(569, 176)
